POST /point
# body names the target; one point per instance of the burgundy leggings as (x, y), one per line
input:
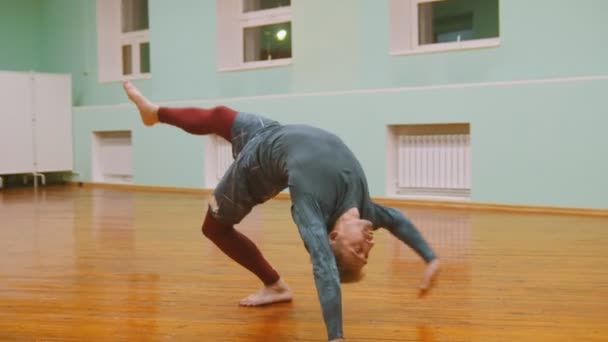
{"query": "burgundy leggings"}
(219, 120)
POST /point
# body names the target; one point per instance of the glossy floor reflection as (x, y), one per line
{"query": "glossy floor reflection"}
(99, 265)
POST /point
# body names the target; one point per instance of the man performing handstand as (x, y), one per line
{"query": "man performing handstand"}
(331, 205)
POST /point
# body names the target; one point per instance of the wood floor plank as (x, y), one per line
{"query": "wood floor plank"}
(114, 265)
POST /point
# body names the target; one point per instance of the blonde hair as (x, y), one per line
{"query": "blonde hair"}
(349, 271)
(349, 267)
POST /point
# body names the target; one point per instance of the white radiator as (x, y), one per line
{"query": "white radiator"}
(112, 157)
(436, 165)
(223, 156)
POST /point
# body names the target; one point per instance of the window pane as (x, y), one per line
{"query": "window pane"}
(127, 57)
(457, 20)
(259, 5)
(267, 42)
(144, 58)
(134, 15)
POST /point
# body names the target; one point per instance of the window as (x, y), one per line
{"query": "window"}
(135, 38)
(254, 33)
(267, 42)
(435, 25)
(123, 39)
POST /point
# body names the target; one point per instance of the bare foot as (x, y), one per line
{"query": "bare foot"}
(429, 276)
(147, 109)
(275, 293)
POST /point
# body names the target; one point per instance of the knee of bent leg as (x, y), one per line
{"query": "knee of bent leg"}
(212, 228)
(207, 230)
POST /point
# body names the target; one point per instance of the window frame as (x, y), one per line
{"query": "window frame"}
(135, 39)
(242, 20)
(409, 33)
(110, 42)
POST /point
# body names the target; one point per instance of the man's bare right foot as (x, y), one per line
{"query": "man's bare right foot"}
(429, 277)
(147, 110)
(275, 293)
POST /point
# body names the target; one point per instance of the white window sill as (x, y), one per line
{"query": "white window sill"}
(259, 65)
(455, 46)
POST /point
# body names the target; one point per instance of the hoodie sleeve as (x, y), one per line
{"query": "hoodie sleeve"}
(309, 219)
(402, 228)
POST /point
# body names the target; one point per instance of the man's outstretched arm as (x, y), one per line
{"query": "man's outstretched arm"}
(402, 228)
(314, 234)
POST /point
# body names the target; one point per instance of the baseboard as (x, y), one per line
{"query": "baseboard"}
(428, 203)
(468, 205)
(148, 188)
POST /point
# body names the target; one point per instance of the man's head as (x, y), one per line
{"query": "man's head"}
(351, 240)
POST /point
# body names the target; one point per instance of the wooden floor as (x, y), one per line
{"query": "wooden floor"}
(110, 265)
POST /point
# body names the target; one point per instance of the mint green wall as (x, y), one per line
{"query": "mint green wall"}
(532, 143)
(536, 144)
(160, 156)
(566, 44)
(334, 52)
(19, 35)
(67, 43)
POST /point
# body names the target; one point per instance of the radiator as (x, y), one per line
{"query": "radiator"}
(223, 156)
(437, 165)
